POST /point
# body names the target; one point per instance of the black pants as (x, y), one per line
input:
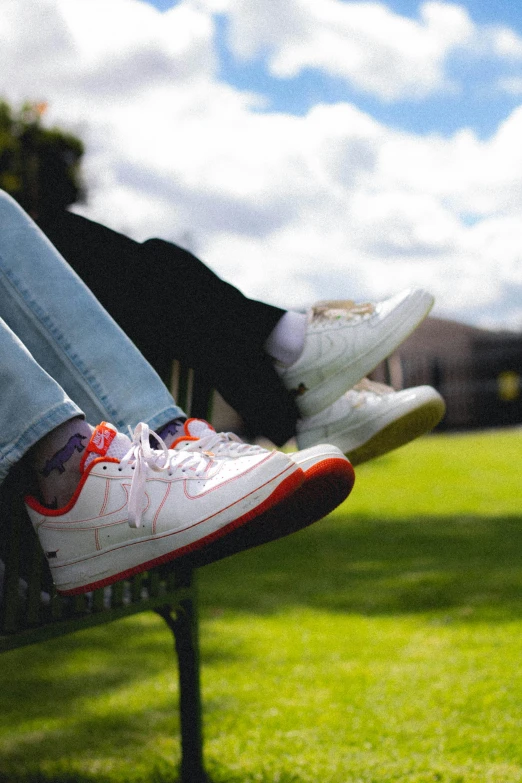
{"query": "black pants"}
(173, 307)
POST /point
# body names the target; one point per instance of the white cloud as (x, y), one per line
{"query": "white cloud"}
(375, 50)
(100, 49)
(290, 208)
(506, 43)
(367, 44)
(510, 84)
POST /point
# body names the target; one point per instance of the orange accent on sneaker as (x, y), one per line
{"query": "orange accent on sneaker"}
(287, 487)
(326, 485)
(35, 504)
(100, 441)
(186, 432)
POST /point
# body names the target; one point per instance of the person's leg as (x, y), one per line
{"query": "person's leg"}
(243, 346)
(123, 517)
(125, 507)
(206, 322)
(34, 410)
(70, 335)
(32, 404)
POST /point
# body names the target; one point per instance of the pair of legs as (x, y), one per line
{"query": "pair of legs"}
(62, 356)
(65, 365)
(172, 306)
(234, 341)
(70, 360)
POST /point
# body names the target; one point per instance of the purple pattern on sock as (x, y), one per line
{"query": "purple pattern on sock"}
(57, 462)
(170, 430)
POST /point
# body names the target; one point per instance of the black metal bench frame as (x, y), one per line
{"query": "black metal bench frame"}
(39, 613)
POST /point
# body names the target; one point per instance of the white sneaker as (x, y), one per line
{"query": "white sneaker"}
(345, 341)
(328, 480)
(372, 419)
(136, 507)
(199, 436)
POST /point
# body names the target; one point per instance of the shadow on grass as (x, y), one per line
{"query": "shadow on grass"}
(217, 774)
(369, 566)
(161, 775)
(89, 695)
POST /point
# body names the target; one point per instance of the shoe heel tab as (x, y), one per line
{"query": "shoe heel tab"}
(100, 441)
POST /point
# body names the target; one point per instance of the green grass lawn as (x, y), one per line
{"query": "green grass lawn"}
(382, 644)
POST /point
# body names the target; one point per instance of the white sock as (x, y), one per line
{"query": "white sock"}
(285, 342)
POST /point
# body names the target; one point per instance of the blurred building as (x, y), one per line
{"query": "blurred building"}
(478, 372)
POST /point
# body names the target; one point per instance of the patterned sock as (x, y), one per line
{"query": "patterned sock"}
(169, 432)
(56, 460)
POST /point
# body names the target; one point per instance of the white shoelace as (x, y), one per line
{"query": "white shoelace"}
(144, 458)
(218, 444)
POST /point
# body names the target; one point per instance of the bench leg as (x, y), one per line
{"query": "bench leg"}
(184, 625)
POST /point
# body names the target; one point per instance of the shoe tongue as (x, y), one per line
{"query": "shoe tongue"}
(105, 441)
(197, 428)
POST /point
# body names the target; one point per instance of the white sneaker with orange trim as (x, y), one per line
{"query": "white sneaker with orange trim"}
(137, 507)
(198, 435)
(328, 480)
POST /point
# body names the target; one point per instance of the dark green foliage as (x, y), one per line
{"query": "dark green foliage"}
(39, 166)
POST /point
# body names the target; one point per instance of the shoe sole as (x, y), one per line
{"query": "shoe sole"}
(326, 485)
(398, 433)
(139, 556)
(321, 396)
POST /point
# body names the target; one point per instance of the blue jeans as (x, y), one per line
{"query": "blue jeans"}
(61, 354)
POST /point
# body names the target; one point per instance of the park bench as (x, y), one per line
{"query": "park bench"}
(31, 611)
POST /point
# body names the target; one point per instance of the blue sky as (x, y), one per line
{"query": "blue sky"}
(476, 104)
(305, 149)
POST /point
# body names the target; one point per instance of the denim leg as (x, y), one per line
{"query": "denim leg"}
(70, 335)
(31, 403)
